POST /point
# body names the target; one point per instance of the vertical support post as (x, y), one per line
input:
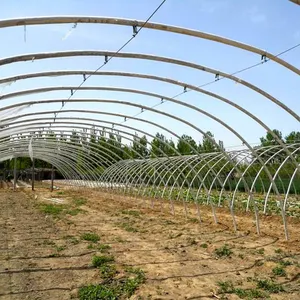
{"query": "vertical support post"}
(33, 177)
(15, 173)
(52, 178)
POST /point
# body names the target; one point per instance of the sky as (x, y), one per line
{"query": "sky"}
(272, 25)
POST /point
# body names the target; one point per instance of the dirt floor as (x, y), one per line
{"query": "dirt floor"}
(44, 254)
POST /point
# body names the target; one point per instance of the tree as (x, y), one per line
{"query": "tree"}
(186, 145)
(161, 146)
(269, 140)
(208, 145)
(140, 146)
(293, 137)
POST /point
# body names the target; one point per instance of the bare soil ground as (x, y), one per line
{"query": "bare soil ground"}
(42, 255)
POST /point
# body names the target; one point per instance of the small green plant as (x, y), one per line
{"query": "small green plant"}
(60, 248)
(131, 284)
(285, 263)
(112, 288)
(108, 271)
(225, 287)
(278, 251)
(60, 193)
(139, 272)
(91, 237)
(204, 245)
(79, 201)
(223, 251)
(51, 209)
(251, 294)
(103, 248)
(261, 251)
(269, 285)
(95, 292)
(279, 271)
(98, 261)
(91, 246)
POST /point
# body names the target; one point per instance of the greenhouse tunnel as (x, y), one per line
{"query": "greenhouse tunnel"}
(66, 123)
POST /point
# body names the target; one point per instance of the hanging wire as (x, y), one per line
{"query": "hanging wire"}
(107, 59)
(218, 78)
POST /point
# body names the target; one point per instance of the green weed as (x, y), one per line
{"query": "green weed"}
(128, 227)
(103, 248)
(279, 271)
(112, 289)
(223, 251)
(91, 237)
(227, 287)
(285, 263)
(98, 261)
(269, 286)
(60, 248)
(261, 251)
(108, 271)
(79, 201)
(97, 292)
(51, 209)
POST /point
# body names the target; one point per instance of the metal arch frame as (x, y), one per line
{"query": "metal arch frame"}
(59, 123)
(248, 167)
(148, 108)
(95, 120)
(258, 173)
(203, 112)
(225, 100)
(275, 175)
(272, 156)
(288, 189)
(94, 161)
(148, 25)
(202, 180)
(183, 121)
(224, 182)
(184, 201)
(37, 56)
(66, 156)
(60, 167)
